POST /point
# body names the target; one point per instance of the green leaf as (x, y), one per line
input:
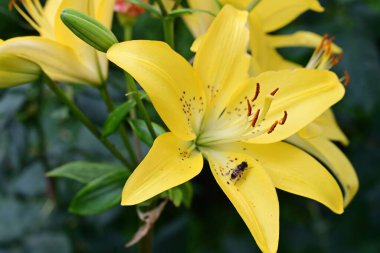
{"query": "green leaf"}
(84, 172)
(182, 194)
(187, 11)
(176, 196)
(100, 195)
(141, 130)
(187, 191)
(116, 117)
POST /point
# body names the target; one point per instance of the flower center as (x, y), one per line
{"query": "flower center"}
(245, 126)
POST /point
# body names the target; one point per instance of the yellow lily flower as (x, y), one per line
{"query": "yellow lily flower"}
(62, 55)
(317, 138)
(15, 70)
(214, 110)
(267, 16)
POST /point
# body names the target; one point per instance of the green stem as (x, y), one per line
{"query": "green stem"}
(79, 114)
(123, 133)
(162, 8)
(176, 4)
(140, 105)
(168, 23)
(128, 31)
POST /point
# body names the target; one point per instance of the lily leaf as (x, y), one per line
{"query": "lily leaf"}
(84, 172)
(116, 117)
(100, 195)
(141, 130)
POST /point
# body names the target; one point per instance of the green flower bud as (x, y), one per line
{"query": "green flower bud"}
(89, 29)
(15, 71)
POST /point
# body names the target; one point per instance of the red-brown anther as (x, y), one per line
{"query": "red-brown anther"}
(249, 111)
(255, 117)
(11, 4)
(283, 120)
(274, 92)
(257, 92)
(272, 127)
(324, 39)
(336, 59)
(347, 78)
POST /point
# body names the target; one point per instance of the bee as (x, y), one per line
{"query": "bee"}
(239, 170)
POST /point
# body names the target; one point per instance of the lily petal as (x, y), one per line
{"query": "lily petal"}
(336, 161)
(303, 93)
(330, 128)
(240, 4)
(16, 71)
(276, 14)
(169, 80)
(198, 22)
(300, 39)
(294, 171)
(51, 11)
(169, 163)
(264, 55)
(221, 59)
(63, 34)
(58, 61)
(104, 10)
(253, 195)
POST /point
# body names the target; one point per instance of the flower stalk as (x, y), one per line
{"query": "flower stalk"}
(91, 127)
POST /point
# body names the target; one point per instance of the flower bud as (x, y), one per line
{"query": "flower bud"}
(15, 70)
(89, 29)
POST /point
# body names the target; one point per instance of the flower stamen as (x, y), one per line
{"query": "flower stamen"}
(272, 127)
(255, 117)
(249, 109)
(283, 120)
(256, 93)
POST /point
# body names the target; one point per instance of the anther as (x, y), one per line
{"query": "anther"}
(255, 117)
(283, 120)
(274, 92)
(11, 4)
(347, 78)
(249, 112)
(257, 92)
(272, 127)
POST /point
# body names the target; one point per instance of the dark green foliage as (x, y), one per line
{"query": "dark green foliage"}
(38, 133)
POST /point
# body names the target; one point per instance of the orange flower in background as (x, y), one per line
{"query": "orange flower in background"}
(124, 7)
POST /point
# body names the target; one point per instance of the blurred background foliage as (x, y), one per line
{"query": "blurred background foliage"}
(38, 134)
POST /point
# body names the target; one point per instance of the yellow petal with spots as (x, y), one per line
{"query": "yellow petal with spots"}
(170, 162)
(294, 171)
(276, 14)
(252, 193)
(221, 59)
(300, 39)
(303, 93)
(58, 61)
(169, 80)
(335, 160)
